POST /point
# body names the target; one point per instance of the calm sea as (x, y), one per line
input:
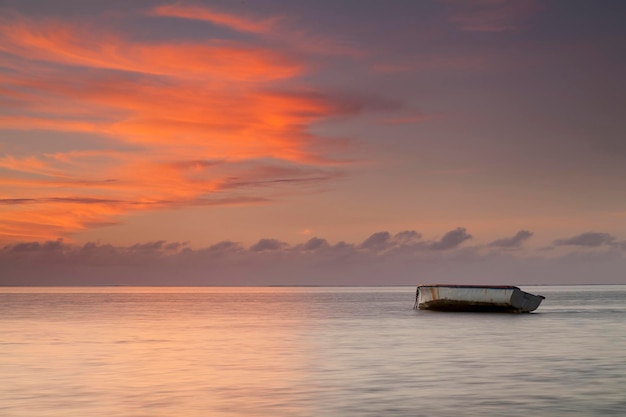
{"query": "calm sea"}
(185, 352)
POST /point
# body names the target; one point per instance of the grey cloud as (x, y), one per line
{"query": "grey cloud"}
(25, 247)
(343, 246)
(314, 244)
(148, 247)
(376, 241)
(589, 239)
(157, 246)
(93, 254)
(512, 242)
(78, 200)
(383, 241)
(15, 201)
(224, 246)
(267, 245)
(48, 246)
(452, 239)
(270, 172)
(390, 259)
(239, 183)
(407, 237)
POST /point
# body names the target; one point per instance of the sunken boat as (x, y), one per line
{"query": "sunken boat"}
(479, 298)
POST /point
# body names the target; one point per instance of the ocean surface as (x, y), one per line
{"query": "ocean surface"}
(191, 352)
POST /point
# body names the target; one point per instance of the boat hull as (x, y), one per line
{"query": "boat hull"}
(507, 299)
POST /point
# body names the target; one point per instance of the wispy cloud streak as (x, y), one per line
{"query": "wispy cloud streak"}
(196, 12)
(196, 117)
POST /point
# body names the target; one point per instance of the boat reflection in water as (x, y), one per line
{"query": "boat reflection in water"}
(489, 298)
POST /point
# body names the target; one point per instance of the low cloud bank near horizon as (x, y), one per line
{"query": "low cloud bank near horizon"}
(404, 258)
(514, 242)
(589, 239)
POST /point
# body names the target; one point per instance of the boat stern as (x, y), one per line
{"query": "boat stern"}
(526, 302)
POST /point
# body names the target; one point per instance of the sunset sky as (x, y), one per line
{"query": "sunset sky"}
(312, 142)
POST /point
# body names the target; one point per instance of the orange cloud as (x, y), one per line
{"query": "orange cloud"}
(43, 220)
(187, 123)
(73, 45)
(217, 121)
(51, 206)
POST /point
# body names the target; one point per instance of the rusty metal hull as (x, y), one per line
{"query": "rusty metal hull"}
(508, 299)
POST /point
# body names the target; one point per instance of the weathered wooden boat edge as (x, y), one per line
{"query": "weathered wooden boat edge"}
(476, 298)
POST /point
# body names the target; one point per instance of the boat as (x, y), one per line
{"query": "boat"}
(489, 298)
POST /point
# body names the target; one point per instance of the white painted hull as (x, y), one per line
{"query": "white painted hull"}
(475, 298)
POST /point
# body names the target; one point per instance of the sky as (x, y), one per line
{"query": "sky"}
(275, 142)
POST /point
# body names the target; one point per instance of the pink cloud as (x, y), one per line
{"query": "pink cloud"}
(276, 28)
(196, 12)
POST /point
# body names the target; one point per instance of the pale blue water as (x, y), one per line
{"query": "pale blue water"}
(90, 352)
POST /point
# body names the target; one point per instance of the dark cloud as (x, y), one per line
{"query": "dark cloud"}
(314, 244)
(343, 246)
(267, 245)
(376, 241)
(589, 239)
(384, 241)
(407, 237)
(25, 247)
(381, 259)
(148, 247)
(11, 201)
(51, 245)
(452, 239)
(62, 200)
(264, 176)
(225, 246)
(512, 242)
(159, 246)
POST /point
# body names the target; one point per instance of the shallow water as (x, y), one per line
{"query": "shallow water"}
(118, 351)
